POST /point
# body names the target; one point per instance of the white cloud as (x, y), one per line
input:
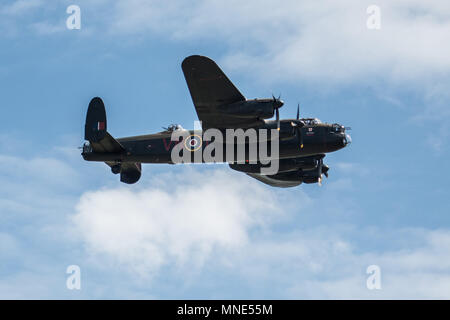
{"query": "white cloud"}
(182, 221)
(19, 7)
(211, 223)
(330, 267)
(300, 40)
(350, 168)
(324, 41)
(45, 28)
(36, 190)
(49, 170)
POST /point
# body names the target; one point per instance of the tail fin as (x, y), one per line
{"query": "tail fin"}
(130, 172)
(95, 127)
(101, 142)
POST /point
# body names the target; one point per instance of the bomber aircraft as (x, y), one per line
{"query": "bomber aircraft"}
(302, 142)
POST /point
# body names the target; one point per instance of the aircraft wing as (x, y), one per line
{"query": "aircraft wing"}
(291, 172)
(210, 88)
(274, 182)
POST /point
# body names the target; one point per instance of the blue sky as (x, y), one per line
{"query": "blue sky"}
(385, 202)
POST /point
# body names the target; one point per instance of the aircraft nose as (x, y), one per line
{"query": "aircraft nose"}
(346, 139)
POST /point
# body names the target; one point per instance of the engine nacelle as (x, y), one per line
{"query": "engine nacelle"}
(291, 176)
(310, 177)
(131, 173)
(285, 165)
(313, 176)
(305, 176)
(116, 168)
(263, 109)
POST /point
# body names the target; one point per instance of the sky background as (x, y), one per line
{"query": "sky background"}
(206, 231)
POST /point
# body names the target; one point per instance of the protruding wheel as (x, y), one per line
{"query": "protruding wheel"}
(116, 168)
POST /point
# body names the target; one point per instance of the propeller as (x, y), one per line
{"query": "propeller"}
(319, 169)
(298, 132)
(322, 169)
(325, 169)
(297, 128)
(277, 104)
(278, 118)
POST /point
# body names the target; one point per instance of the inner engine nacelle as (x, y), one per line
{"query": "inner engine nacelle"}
(291, 176)
(285, 165)
(305, 176)
(263, 109)
(131, 173)
(310, 176)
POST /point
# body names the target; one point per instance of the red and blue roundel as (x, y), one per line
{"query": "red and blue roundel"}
(193, 142)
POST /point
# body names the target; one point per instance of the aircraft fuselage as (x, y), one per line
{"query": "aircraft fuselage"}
(157, 148)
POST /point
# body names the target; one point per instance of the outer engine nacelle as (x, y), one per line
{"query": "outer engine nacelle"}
(129, 172)
(313, 176)
(310, 176)
(291, 176)
(262, 108)
(299, 176)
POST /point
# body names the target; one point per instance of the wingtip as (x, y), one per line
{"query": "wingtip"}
(194, 58)
(96, 102)
(95, 125)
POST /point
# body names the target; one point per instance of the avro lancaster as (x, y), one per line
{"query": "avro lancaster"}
(302, 142)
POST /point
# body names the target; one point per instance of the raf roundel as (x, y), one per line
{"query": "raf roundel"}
(193, 142)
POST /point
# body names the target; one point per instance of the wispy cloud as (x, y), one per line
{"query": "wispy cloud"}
(207, 233)
(46, 28)
(296, 40)
(300, 40)
(19, 7)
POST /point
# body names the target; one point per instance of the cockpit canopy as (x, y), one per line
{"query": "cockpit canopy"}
(311, 121)
(173, 127)
(336, 127)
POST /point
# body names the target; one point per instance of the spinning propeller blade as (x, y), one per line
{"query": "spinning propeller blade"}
(300, 135)
(278, 118)
(298, 132)
(277, 105)
(322, 169)
(299, 129)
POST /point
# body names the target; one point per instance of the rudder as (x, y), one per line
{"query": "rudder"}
(95, 127)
